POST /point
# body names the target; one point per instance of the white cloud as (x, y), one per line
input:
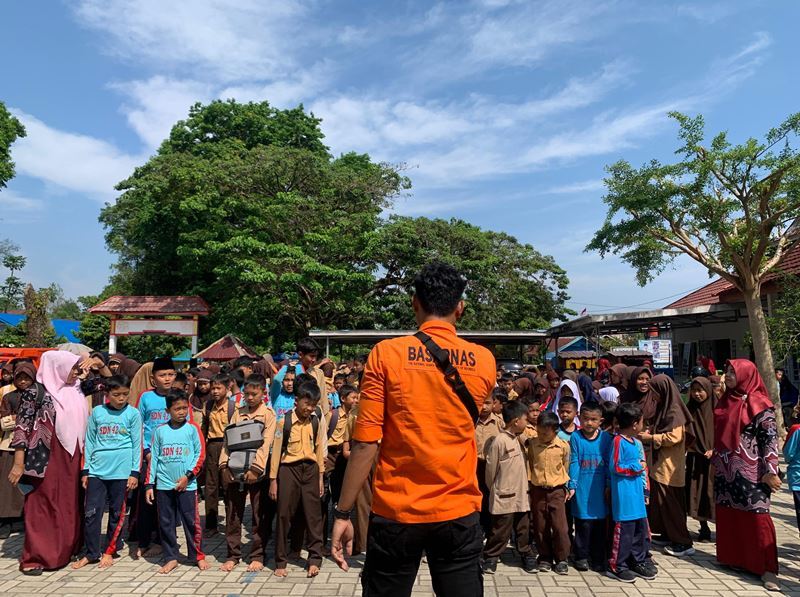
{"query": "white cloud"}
(69, 160)
(156, 104)
(288, 91)
(226, 39)
(16, 207)
(575, 187)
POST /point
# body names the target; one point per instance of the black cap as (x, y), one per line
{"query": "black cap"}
(163, 363)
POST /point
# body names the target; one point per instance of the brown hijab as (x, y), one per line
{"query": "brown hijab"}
(702, 416)
(141, 382)
(623, 372)
(671, 412)
(523, 387)
(127, 367)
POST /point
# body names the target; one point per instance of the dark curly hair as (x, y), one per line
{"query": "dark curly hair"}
(439, 287)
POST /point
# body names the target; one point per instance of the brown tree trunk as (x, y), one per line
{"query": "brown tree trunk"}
(764, 362)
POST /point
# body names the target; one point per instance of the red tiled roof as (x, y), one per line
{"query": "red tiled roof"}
(227, 348)
(152, 305)
(722, 291)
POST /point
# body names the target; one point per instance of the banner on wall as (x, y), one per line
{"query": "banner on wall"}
(660, 348)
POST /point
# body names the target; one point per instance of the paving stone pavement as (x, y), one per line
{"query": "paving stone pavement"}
(696, 576)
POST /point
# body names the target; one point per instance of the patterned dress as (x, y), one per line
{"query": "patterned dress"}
(745, 531)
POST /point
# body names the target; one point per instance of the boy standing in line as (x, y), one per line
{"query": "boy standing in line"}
(298, 464)
(255, 486)
(548, 460)
(113, 459)
(177, 453)
(509, 505)
(630, 545)
(487, 429)
(217, 415)
(153, 411)
(588, 488)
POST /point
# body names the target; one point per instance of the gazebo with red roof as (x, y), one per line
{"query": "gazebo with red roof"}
(227, 348)
(152, 315)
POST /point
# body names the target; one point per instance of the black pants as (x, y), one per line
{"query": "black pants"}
(394, 552)
(174, 506)
(99, 494)
(146, 515)
(630, 544)
(213, 482)
(796, 495)
(590, 540)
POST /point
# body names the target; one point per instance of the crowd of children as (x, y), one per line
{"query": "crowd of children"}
(274, 435)
(566, 462)
(565, 472)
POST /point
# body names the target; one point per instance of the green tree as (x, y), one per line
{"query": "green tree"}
(10, 130)
(511, 285)
(729, 207)
(12, 287)
(266, 225)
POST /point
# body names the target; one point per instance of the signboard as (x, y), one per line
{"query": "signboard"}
(660, 348)
(167, 327)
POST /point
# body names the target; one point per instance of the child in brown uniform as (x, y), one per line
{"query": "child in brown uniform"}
(296, 475)
(253, 484)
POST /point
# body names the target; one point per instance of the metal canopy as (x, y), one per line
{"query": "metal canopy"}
(513, 337)
(642, 321)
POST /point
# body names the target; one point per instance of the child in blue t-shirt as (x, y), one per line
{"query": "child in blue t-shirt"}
(283, 401)
(113, 457)
(791, 452)
(177, 453)
(588, 485)
(153, 410)
(630, 548)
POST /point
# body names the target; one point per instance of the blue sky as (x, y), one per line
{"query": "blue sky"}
(503, 112)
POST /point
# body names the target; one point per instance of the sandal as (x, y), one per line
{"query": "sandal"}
(32, 571)
(770, 580)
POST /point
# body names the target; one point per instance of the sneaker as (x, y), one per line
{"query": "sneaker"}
(545, 567)
(600, 568)
(580, 565)
(644, 570)
(489, 566)
(659, 540)
(529, 564)
(562, 568)
(678, 550)
(622, 575)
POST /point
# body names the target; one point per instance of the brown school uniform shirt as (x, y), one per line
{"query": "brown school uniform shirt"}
(217, 420)
(505, 475)
(300, 445)
(266, 415)
(670, 465)
(337, 438)
(486, 430)
(548, 463)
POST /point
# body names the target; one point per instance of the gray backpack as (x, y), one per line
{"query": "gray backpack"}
(243, 439)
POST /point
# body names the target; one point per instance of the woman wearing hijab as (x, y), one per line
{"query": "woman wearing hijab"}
(746, 473)
(699, 473)
(48, 439)
(142, 382)
(553, 381)
(573, 389)
(667, 434)
(11, 499)
(523, 387)
(122, 365)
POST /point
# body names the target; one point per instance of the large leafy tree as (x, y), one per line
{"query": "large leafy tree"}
(729, 207)
(244, 205)
(511, 285)
(10, 130)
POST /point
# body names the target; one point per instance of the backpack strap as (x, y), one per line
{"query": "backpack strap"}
(231, 409)
(451, 375)
(287, 430)
(333, 422)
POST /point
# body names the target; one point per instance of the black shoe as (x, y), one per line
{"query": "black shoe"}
(529, 564)
(580, 565)
(704, 536)
(659, 540)
(5, 531)
(545, 567)
(561, 568)
(489, 566)
(622, 575)
(33, 571)
(599, 568)
(644, 570)
(678, 550)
